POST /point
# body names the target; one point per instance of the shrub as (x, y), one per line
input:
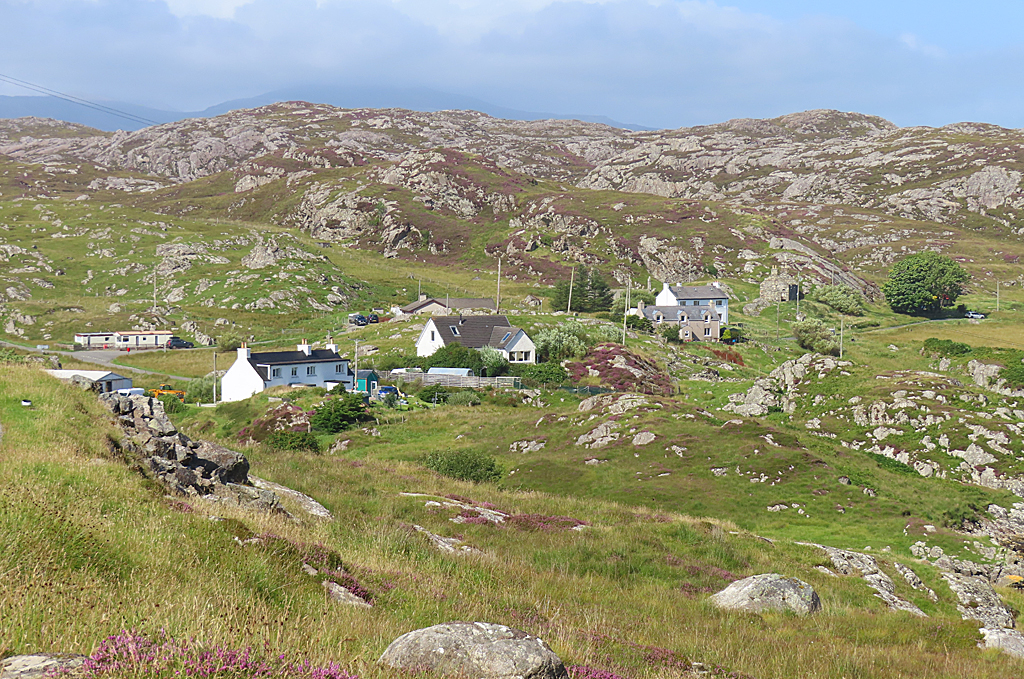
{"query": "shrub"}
(464, 398)
(639, 323)
(494, 362)
(842, 298)
(293, 440)
(814, 335)
(943, 347)
(568, 339)
(201, 389)
(540, 373)
(465, 465)
(435, 393)
(338, 414)
(10, 356)
(924, 282)
(229, 341)
(172, 404)
(455, 355)
(1014, 372)
(390, 400)
(670, 332)
(338, 389)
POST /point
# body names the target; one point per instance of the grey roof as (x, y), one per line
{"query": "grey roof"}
(473, 331)
(365, 374)
(502, 335)
(673, 313)
(697, 292)
(453, 303)
(283, 357)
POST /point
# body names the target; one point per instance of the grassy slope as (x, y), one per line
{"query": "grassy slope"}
(93, 548)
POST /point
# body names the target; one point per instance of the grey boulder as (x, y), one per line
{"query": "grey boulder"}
(768, 592)
(1009, 641)
(39, 665)
(474, 650)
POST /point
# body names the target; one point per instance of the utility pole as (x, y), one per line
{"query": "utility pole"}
(497, 303)
(778, 305)
(215, 376)
(842, 323)
(625, 309)
(997, 296)
(572, 275)
(355, 383)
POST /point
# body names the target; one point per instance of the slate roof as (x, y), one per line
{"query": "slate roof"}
(474, 331)
(697, 292)
(365, 374)
(502, 335)
(673, 313)
(289, 357)
(453, 303)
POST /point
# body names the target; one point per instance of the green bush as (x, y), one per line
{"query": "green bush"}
(814, 335)
(463, 398)
(201, 389)
(945, 347)
(670, 331)
(229, 341)
(435, 393)
(465, 465)
(455, 355)
(339, 414)
(494, 362)
(1013, 373)
(540, 373)
(10, 356)
(293, 440)
(172, 404)
(639, 323)
(842, 298)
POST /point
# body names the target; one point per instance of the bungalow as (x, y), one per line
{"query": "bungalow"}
(695, 295)
(143, 339)
(94, 340)
(105, 382)
(252, 373)
(476, 332)
(696, 323)
(430, 305)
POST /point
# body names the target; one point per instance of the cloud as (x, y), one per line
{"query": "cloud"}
(655, 62)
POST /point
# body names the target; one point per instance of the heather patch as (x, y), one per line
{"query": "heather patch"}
(619, 368)
(285, 417)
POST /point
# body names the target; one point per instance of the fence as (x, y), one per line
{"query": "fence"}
(455, 380)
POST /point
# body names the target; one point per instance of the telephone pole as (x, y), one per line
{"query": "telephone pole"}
(572, 275)
(625, 309)
(497, 302)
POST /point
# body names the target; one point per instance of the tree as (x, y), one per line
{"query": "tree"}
(816, 336)
(590, 292)
(338, 414)
(229, 341)
(640, 323)
(454, 355)
(494, 361)
(566, 340)
(924, 283)
(842, 298)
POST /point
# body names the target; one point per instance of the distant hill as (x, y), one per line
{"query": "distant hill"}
(423, 100)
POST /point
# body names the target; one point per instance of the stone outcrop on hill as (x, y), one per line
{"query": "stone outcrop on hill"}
(768, 592)
(186, 467)
(474, 649)
(866, 566)
(781, 387)
(40, 665)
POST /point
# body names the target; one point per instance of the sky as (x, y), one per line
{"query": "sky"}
(659, 63)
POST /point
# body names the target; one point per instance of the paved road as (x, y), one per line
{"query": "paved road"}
(104, 357)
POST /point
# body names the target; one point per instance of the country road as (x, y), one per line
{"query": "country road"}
(103, 357)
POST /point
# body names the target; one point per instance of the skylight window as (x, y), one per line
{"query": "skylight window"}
(455, 330)
(505, 338)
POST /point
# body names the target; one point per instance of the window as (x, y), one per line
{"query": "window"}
(339, 367)
(719, 302)
(707, 332)
(295, 371)
(505, 338)
(455, 331)
(311, 370)
(526, 355)
(431, 335)
(276, 372)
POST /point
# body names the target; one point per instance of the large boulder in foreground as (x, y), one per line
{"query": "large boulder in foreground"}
(768, 592)
(476, 650)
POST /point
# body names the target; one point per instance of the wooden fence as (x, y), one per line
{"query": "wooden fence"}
(454, 380)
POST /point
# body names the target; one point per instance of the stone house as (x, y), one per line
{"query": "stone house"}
(711, 296)
(695, 323)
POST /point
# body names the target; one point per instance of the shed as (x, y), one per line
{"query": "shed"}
(367, 381)
(457, 372)
(105, 381)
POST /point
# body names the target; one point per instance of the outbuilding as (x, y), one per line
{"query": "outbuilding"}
(95, 340)
(105, 381)
(144, 339)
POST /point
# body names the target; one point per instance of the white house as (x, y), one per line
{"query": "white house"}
(695, 295)
(95, 340)
(252, 373)
(107, 381)
(476, 332)
(141, 339)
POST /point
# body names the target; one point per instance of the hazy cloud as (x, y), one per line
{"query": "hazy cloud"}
(654, 62)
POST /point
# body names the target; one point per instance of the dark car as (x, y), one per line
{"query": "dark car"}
(357, 319)
(178, 343)
(372, 318)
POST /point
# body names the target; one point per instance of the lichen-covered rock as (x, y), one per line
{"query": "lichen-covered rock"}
(39, 665)
(978, 601)
(1008, 641)
(768, 592)
(474, 649)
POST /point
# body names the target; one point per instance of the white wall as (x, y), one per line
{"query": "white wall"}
(522, 342)
(240, 381)
(425, 345)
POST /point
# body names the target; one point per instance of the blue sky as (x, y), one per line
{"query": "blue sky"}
(663, 63)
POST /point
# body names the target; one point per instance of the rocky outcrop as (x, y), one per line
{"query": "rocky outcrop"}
(865, 565)
(1008, 641)
(40, 665)
(474, 649)
(768, 592)
(186, 467)
(782, 385)
(978, 601)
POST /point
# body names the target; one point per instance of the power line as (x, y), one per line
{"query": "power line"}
(76, 100)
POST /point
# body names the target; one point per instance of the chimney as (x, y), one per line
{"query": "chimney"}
(331, 346)
(640, 307)
(423, 297)
(243, 352)
(716, 284)
(304, 347)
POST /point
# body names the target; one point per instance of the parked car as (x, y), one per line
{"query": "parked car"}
(178, 343)
(974, 314)
(373, 318)
(357, 319)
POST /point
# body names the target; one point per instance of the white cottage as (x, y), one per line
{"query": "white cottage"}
(106, 381)
(695, 295)
(251, 373)
(476, 332)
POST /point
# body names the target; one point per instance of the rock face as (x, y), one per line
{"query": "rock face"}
(184, 466)
(978, 601)
(39, 665)
(865, 565)
(768, 592)
(474, 649)
(1008, 641)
